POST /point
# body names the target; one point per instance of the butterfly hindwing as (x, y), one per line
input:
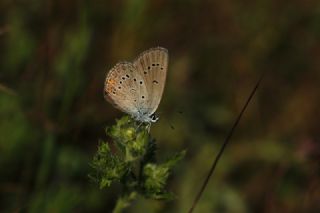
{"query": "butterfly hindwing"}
(121, 89)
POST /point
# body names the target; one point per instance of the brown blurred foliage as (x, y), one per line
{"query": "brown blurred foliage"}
(54, 58)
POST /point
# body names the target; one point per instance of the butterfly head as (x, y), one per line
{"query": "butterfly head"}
(154, 118)
(146, 118)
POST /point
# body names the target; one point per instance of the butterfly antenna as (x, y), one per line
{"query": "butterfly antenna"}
(225, 143)
(170, 124)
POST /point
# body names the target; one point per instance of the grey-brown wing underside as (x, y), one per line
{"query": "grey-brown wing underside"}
(122, 87)
(152, 66)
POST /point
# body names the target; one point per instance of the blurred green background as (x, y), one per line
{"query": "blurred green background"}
(54, 58)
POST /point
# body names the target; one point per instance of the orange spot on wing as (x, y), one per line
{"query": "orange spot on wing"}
(110, 85)
(111, 81)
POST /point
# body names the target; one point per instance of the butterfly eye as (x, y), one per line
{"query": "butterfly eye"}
(154, 118)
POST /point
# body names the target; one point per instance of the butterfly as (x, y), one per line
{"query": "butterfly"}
(136, 88)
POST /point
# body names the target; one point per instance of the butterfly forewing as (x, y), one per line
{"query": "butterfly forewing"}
(122, 87)
(152, 66)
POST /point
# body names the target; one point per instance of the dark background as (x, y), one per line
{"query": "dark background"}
(55, 55)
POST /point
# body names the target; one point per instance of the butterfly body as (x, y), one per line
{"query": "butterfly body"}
(136, 88)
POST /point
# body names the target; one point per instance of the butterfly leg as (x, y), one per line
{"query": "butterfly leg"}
(148, 126)
(138, 125)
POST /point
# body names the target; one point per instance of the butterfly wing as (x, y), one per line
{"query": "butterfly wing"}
(122, 87)
(152, 66)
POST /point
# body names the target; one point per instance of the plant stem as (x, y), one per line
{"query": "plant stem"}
(124, 201)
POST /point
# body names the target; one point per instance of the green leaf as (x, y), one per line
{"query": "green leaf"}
(108, 167)
(155, 178)
(123, 131)
(124, 201)
(162, 196)
(172, 161)
(137, 148)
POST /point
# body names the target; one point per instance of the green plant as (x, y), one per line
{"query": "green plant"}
(131, 161)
